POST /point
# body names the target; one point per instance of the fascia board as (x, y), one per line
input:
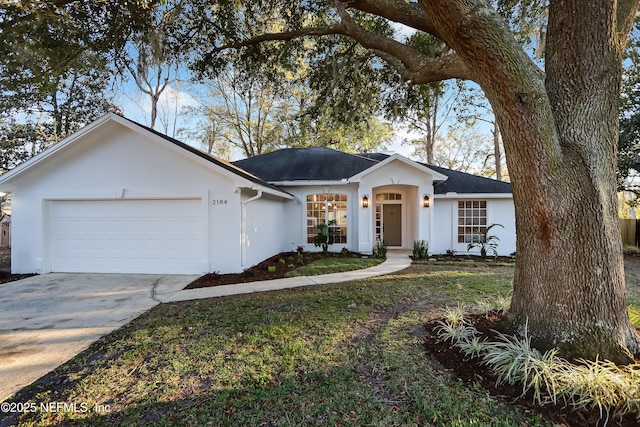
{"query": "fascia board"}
(308, 183)
(474, 196)
(437, 176)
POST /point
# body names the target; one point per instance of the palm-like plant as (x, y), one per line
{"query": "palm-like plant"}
(485, 242)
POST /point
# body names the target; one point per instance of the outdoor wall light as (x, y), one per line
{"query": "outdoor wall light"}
(365, 202)
(426, 202)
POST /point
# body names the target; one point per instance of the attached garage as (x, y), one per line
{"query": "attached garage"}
(127, 236)
(117, 197)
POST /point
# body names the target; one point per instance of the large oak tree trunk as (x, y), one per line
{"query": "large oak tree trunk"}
(560, 136)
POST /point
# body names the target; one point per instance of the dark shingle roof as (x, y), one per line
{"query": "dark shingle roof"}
(461, 182)
(325, 164)
(305, 164)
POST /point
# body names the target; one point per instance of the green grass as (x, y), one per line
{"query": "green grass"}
(632, 276)
(344, 354)
(334, 265)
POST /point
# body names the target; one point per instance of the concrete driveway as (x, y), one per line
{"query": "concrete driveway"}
(46, 320)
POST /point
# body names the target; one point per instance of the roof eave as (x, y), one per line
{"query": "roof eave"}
(309, 182)
(454, 195)
(437, 176)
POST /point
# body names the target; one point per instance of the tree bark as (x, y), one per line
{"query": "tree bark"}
(497, 156)
(560, 134)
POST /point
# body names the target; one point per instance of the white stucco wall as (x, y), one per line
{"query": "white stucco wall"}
(114, 162)
(499, 210)
(263, 226)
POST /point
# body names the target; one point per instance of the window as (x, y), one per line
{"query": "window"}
(381, 197)
(330, 209)
(472, 219)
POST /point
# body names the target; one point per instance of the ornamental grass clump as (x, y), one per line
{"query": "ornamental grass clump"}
(456, 315)
(473, 346)
(634, 315)
(510, 358)
(503, 302)
(600, 385)
(484, 306)
(455, 333)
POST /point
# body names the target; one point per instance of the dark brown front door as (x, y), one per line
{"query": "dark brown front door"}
(392, 224)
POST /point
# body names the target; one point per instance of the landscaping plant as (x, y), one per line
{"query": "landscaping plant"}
(602, 385)
(379, 249)
(485, 242)
(420, 249)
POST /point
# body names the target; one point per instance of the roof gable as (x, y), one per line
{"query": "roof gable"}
(437, 176)
(75, 138)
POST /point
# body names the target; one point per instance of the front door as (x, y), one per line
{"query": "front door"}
(392, 224)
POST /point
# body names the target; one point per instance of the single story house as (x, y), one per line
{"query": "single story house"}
(118, 197)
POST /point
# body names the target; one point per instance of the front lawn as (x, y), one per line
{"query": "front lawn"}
(333, 265)
(344, 354)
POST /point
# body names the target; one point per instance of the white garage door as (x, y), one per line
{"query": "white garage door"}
(127, 236)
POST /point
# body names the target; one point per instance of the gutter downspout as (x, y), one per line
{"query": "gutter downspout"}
(243, 214)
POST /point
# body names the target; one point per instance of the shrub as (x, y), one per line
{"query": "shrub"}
(420, 249)
(379, 249)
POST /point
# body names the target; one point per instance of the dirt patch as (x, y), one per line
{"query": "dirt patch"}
(275, 267)
(471, 371)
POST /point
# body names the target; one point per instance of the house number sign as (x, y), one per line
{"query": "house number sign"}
(219, 202)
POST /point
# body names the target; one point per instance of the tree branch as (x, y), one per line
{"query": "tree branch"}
(411, 64)
(284, 36)
(402, 12)
(625, 17)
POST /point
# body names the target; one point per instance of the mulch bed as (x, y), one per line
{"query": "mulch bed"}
(280, 265)
(470, 371)
(468, 258)
(6, 277)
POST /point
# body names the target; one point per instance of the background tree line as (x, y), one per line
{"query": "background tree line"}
(65, 64)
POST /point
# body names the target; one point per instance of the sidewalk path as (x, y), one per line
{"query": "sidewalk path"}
(396, 260)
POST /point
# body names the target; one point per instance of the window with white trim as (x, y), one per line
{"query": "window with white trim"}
(472, 219)
(330, 209)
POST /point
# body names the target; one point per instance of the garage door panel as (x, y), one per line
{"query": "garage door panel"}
(127, 236)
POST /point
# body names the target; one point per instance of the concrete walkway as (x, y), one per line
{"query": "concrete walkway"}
(46, 320)
(396, 260)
